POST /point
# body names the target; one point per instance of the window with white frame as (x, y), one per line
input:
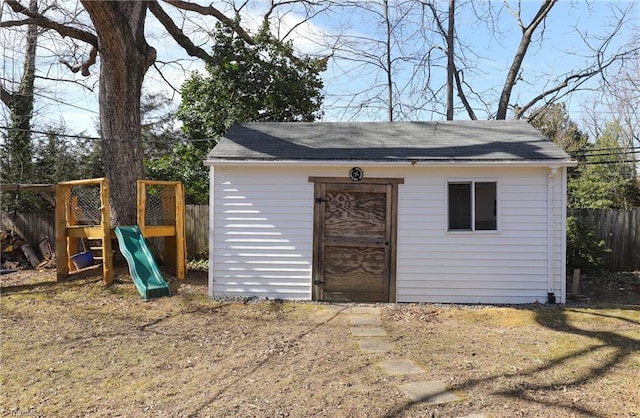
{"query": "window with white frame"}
(472, 205)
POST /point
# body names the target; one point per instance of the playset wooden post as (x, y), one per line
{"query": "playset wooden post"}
(173, 224)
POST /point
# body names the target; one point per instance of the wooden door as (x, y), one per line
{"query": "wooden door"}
(354, 240)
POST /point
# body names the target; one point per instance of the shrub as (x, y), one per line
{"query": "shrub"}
(584, 251)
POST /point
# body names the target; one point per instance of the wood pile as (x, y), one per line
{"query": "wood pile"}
(17, 254)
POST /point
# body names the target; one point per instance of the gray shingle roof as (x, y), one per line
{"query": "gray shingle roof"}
(381, 141)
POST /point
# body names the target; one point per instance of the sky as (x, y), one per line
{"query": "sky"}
(488, 52)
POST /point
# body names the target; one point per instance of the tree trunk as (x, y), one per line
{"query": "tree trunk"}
(516, 64)
(19, 163)
(388, 63)
(450, 58)
(125, 58)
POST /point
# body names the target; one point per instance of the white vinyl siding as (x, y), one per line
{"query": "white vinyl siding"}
(481, 267)
(262, 234)
(262, 237)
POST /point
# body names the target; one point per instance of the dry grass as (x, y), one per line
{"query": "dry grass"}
(75, 348)
(533, 361)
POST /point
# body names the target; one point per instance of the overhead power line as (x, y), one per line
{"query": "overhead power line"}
(609, 162)
(621, 153)
(94, 138)
(605, 149)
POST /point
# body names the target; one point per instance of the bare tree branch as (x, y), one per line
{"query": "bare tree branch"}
(60, 80)
(308, 17)
(177, 34)
(275, 5)
(6, 97)
(452, 71)
(83, 67)
(14, 23)
(462, 96)
(175, 90)
(211, 11)
(578, 79)
(527, 34)
(36, 18)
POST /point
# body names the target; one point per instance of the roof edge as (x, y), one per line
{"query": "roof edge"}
(372, 163)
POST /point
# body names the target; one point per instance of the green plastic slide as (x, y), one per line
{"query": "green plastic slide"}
(143, 268)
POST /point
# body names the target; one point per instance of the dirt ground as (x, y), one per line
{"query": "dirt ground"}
(75, 348)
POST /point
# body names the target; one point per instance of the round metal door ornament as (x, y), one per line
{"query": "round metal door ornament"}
(356, 174)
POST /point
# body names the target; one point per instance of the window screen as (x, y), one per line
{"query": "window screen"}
(485, 207)
(460, 206)
(472, 206)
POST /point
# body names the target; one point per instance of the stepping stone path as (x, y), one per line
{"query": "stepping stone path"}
(375, 345)
(367, 327)
(433, 392)
(400, 366)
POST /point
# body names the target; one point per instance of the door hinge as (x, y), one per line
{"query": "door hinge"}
(318, 282)
(321, 200)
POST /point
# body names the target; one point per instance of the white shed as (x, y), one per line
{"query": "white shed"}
(454, 212)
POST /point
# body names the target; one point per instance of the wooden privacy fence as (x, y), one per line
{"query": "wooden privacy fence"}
(33, 227)
(197, 231)
(618, 228)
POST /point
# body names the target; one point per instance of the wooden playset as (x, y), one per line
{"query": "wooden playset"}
(83, 215)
